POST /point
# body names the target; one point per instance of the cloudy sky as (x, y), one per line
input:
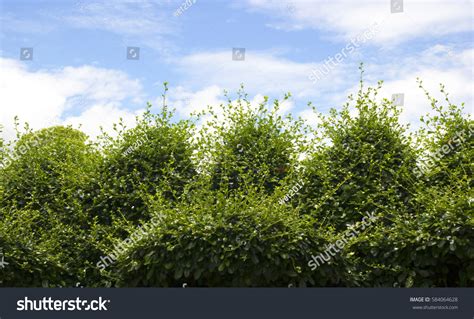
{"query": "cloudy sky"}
(71, 62)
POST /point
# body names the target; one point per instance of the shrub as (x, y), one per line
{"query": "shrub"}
(42, 251)
(48, 170)
(447, 139)
(366, 165)
(433, 247)
(220, 202)
(155, 156)
(217, 240)
(430, 249)
(42, 221)
(250, 145)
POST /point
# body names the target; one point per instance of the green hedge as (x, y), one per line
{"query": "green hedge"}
(247, 200)
(227, 241)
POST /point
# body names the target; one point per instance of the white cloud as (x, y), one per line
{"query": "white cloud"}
(311, 118)
(122, 17)
(44, 97)
(261, 72)
(144, 23)
(10, 22)
(141, 22)
(346, 18)
(99, 115)
(186, 102)
(437, 65)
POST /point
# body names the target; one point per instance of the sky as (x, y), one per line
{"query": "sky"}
(92, 62)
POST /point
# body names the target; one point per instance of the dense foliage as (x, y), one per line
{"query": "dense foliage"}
(248, 200)
(153, 156)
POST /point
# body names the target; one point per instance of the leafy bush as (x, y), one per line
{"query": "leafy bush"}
(49, 169)
(249, 145)
(43, 226)
(217, 240)
(219, 200)
(155, 156)
(365, 166)
(42, 251)
(434, 246)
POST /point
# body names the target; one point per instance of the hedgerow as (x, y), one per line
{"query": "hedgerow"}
(225, 199)
(218, 240)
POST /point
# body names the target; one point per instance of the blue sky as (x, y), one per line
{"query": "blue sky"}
(79, 73)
